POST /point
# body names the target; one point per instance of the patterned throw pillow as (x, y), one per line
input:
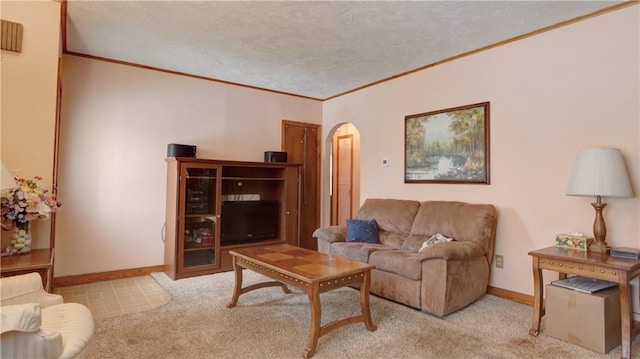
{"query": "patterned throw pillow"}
(360, 230)
(436, 238)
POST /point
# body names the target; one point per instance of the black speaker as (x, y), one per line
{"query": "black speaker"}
(274, 156)
(176, 150)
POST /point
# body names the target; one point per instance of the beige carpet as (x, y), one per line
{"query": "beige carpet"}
(270, 324)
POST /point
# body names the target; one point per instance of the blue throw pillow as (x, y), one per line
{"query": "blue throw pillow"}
(360, 230)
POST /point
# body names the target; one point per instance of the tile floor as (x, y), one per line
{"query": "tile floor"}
(118, 296)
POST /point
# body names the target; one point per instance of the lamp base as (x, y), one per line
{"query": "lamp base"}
(599, 229)
(599, 247)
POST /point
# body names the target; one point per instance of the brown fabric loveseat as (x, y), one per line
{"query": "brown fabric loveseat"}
(439, 279)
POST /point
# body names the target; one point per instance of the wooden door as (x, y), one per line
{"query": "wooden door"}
(344, 178)
(292, 217)
(301, 141)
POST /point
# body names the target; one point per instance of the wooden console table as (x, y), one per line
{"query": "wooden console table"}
(38, 260)
(593, 265)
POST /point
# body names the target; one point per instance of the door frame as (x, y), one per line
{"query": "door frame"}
(318, 168)
(335, 198)
(328, 212)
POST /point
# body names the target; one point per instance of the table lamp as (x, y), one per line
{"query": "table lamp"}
(599, 172)
(7, 183)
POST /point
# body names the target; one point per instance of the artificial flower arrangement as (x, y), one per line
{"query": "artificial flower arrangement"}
(27, 202)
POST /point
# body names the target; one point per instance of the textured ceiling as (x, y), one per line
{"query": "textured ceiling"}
(316, 49)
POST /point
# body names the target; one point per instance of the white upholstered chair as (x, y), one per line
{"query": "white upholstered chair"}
(36, 324)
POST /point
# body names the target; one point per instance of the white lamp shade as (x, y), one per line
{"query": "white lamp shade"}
(6, 179)
(599, 172)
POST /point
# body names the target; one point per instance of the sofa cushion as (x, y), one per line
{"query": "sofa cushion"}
(392, 215)
(416, 243)
(459, 220)
(355, 250)
(392, 240)
(403, 263)
(361, 230)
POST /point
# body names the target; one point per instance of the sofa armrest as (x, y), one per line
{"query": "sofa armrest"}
(452, 250)
(331, 234)
(26, 288)
(23, 336)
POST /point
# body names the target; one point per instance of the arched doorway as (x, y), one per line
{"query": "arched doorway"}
(344, 167)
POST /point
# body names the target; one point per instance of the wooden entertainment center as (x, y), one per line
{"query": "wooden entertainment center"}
(258, 199)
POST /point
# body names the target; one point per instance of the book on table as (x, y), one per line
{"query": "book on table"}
(625, 252)
(584, 284)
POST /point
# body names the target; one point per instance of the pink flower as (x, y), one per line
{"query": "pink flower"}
(29, 201)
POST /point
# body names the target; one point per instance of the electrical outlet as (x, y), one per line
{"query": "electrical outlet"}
(499, 261)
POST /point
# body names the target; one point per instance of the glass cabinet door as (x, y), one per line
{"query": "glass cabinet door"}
(199, 217)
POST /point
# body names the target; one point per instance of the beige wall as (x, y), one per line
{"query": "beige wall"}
(551, 95)
(116, 123)
(28, 97)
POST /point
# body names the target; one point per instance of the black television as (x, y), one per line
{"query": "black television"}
(247, 221)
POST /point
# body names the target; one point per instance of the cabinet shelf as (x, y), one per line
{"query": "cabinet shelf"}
(201, 177)
(203, 216)
(190, 247)
(253, 179)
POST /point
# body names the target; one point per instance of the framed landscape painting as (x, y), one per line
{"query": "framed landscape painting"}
(448, 146)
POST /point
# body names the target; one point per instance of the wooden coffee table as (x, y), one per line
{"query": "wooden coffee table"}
(309, 271)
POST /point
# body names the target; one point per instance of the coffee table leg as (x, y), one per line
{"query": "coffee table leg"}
(238, 284)
(316, 315)
(364, 302)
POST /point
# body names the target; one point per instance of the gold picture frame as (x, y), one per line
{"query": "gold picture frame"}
(448, 146)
